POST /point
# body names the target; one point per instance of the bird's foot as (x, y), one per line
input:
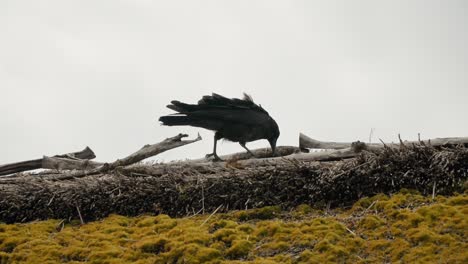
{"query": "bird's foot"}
(214, 155)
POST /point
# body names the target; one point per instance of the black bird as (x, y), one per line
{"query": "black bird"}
(237, 120)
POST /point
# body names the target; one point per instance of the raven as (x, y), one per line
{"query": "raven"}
(237, 120)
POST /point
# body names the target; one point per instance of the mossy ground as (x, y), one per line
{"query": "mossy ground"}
(405, 227)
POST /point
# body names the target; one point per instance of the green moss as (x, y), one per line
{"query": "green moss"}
(226, 235)
(246, 228)
(239, 249)
(264, 213)
(9, 244)
(4, 258)
(223, 224)
(366, 202)
(371, 222)
(304, 210)
(458, 200)
(405, 227)
(208, 254)
(154, 245)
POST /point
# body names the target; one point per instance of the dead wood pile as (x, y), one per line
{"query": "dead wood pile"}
(185, 189)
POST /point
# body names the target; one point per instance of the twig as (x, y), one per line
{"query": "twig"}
(349, 230)
(370, 135)
(59, 227)
(433, 190)
(203, 198)
(370, 206)
(197, 213)
(401, 142)
(214, 212)
(79, 214)
(51, 199)
(383, 143)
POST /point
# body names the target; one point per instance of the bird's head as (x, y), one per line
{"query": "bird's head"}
(273, 136)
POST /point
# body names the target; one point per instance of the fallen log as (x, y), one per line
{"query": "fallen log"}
(6, 169)
(204, 166)
(181, 191)
(306, 142)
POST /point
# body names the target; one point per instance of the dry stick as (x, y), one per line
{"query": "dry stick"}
(214, 212)
(370, 135)
(385, 146)
(59, 227)
(370, 206)
(51, 199)
(203, 198)
(197, 213)
(349, 230)
(79, 214)
(145, 152)
(402, 145)
(433, 190)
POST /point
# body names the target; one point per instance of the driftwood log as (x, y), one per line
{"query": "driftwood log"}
(307, 142)
(186, 188)
(6, 169)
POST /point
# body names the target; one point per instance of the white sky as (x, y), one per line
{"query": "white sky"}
(100, 73)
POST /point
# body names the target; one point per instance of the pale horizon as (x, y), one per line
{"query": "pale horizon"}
(99, 74)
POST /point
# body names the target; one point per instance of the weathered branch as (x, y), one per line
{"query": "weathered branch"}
(56, 163)
(145, 152)
(259, 153)
(86, 153)
(307, 142)
(155, 149)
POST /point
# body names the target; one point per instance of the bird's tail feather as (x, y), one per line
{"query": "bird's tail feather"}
(176, 120)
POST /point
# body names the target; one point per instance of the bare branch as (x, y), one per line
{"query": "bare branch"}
(145, 152)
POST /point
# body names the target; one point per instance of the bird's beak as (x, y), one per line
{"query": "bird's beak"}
(273, 146)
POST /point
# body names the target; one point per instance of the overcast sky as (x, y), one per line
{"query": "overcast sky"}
(100, 73)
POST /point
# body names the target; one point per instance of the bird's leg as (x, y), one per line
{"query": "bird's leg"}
(248, 150)
(216, 157)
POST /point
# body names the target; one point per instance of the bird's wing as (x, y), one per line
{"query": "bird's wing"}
(232, 115)
(218, 102)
